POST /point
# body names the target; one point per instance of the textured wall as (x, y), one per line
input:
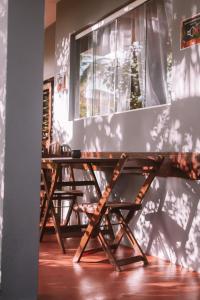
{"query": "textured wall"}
(169, 224)
(3, 55)
(24, 66)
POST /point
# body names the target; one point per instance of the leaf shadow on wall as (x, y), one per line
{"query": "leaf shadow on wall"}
(169, 225)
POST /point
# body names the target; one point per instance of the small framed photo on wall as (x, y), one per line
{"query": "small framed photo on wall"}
(60, 83)
(190, 32)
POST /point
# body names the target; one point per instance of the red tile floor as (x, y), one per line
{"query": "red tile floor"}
(61, 279)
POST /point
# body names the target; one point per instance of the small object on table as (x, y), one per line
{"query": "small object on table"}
(65, 150)
(76, 153)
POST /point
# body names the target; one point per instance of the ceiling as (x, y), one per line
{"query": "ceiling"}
(50, 12)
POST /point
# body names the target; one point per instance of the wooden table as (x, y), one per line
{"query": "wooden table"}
(183, 165)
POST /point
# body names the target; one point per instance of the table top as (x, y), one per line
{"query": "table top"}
(175, 164)
(62, 159)
(98, 161)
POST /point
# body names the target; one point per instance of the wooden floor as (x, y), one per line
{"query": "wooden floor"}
(60, 279)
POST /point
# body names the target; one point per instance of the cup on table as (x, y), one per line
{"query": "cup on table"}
(65, 150)
(76, 153)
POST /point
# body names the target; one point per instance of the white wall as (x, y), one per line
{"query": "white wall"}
(23, 108)
(169, 224)
(165, 128)
(3, 55)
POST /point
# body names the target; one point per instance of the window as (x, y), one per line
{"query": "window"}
(125, 62)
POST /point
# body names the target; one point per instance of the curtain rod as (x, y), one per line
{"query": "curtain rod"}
(110, 18)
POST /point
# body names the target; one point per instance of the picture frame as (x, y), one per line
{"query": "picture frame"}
(190, 31)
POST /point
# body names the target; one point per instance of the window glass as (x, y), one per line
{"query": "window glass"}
(85, 76)
(104, 69)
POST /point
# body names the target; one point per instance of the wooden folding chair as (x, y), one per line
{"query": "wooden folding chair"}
(53, 194)
(123, 211)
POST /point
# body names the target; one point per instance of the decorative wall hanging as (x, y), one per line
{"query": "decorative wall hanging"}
(190, 32)
(60, 83)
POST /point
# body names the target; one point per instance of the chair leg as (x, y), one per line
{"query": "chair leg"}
(44, 221)
(78, 218)
(120, 233)
(57, 229)
(110, 228)
(108, 252)
(131, 236)
(134, 242)
(43, 204)
(50, 209)
(67, 219)
(59, 217)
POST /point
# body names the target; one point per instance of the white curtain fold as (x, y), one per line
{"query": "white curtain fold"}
(158, 52)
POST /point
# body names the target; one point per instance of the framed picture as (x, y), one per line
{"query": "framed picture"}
(60, 83)
(190, 31)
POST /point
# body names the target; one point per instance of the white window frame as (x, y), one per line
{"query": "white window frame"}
(105, 21)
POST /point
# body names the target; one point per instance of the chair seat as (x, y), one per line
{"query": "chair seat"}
(76, 193)
(127, 205)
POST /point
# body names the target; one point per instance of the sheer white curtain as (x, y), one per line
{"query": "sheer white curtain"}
(140, 49)
(123, 70)
(158, 52)
(104, 70)
(130, 83)
(85, 76)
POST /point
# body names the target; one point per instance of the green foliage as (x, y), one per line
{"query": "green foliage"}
(135, 95)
